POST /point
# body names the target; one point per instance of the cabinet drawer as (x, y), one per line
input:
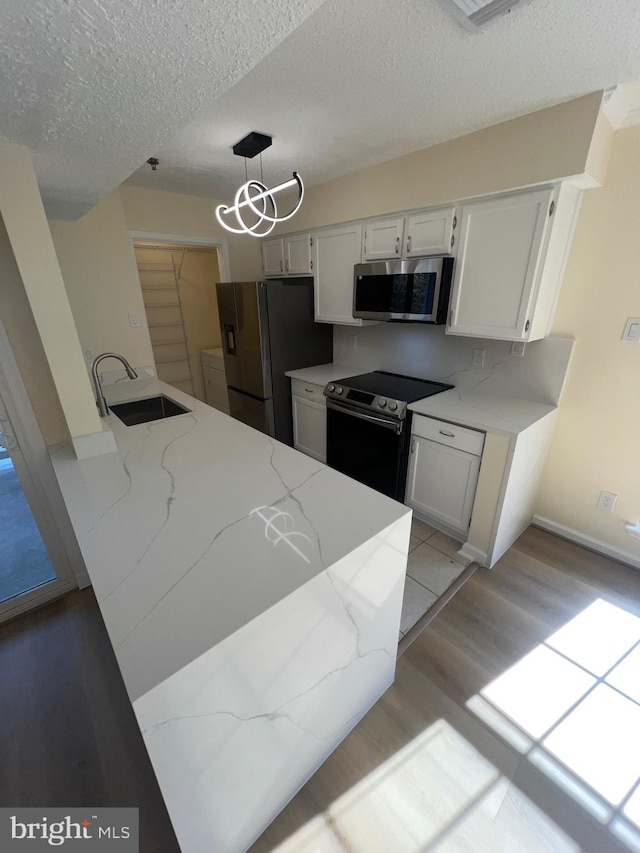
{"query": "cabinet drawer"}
(462, 438)
(307, 389)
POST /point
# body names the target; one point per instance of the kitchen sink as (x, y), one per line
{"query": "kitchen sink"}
(149, 409)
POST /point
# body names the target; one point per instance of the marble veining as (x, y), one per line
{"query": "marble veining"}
(246, 665)
(491, 413)
(342, 658)
(165, 527)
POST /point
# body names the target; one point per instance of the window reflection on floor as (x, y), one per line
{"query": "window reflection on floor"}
(438, 793)
(573, 706)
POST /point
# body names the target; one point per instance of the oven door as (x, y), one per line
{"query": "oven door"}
(370, 448)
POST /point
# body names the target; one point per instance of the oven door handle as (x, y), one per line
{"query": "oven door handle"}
(396, 426)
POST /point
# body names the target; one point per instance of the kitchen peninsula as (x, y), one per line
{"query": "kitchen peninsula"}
(252, 596)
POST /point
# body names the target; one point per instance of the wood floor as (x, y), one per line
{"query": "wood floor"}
(421, 772)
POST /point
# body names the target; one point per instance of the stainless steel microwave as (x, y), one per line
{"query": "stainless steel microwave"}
(415, 290)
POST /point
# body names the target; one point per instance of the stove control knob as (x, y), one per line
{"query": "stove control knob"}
(393, 407)
(331, 388)
(339, 389)
(382, 403)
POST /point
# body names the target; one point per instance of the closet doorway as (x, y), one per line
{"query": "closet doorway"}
(178, 284)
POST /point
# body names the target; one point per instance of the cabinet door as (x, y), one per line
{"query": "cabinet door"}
(430, 233)
(335, 253)
(383, 239)
(442, 482)
(297, 254)
(499, 260)
(273, 256)
(215, 388)
(310, 427)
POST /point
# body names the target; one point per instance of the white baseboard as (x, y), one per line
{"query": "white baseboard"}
(587, 541)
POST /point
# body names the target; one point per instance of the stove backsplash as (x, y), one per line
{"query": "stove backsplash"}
(426, 352)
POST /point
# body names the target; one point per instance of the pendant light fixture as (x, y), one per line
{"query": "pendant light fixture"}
(253, 199)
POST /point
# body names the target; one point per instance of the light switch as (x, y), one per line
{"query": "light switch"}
(134, 319)
(478, 358)
(632, 329)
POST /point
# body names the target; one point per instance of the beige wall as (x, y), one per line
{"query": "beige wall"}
(42, 286)
(101, 278)
(544, 146)
(596, 444)
(20, 327)
(186, 215)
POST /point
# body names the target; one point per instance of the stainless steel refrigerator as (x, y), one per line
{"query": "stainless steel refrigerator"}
(267, 328)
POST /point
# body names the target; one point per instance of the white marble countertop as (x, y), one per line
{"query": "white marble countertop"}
(173, 529)
(489, 413)
(323, 373)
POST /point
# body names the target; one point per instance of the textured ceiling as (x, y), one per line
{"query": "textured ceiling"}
(95, 87)
(362, 81)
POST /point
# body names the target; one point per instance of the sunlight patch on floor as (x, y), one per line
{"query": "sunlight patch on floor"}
(437, 793)
(572, 705)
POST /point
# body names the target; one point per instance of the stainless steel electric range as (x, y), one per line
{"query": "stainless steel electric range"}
(369, 427)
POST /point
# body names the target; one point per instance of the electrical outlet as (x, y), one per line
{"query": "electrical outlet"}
(606, 501)
(88, 355)
(134, 319)
(632, 329)
(517, 348)
(353, 341)
(478, 358)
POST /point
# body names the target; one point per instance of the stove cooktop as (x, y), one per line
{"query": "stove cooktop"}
(405, 388)
(383, 391)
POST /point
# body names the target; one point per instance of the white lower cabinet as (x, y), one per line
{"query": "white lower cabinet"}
(309, 419)
(443, 473)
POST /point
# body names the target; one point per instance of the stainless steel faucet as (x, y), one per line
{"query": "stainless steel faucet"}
(101, 403)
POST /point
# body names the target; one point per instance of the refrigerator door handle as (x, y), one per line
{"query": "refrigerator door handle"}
(229, 338)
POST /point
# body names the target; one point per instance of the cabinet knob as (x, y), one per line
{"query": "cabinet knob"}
(397, 245)
(280, 266)
(409, 243)
(287, 266)
(448, 434)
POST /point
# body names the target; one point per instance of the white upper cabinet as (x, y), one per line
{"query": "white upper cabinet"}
(427, 233)
(430, 233)
(335, 253)
(383, 238)
(510, 261)
(287, 255)
(273, 256)
(297, 254)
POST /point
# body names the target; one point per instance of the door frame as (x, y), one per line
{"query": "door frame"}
(220, 245)
(40, 485)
